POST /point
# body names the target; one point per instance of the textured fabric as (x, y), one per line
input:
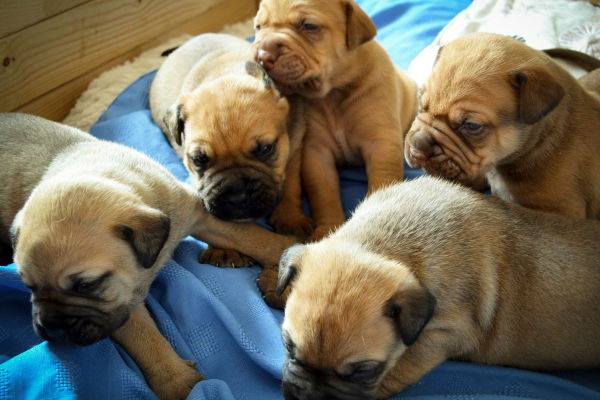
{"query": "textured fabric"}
(217, 317)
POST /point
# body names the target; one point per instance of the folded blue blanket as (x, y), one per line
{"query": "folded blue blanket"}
(217, 317)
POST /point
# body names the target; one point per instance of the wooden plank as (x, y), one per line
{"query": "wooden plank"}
(57, 103)
(18, 14)
(55, 51)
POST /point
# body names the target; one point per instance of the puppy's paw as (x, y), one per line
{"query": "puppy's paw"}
(226, 258)
(175, 380)
(293, 223)
(321, 231)
(267, 282)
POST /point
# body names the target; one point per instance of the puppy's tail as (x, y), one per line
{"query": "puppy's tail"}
(578, 58)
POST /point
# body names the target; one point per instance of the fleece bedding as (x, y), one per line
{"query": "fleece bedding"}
(216, 316)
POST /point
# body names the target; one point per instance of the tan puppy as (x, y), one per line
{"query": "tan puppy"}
(428, 270)
(358, 104)
(497, 110)
(229, 124)
(92, 223)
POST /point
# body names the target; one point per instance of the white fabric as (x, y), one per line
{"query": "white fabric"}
(543, 24)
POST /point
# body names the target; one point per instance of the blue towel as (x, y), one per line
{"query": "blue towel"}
(217, 317)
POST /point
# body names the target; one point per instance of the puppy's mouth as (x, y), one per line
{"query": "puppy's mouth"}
(241, 199)
(81, 326)
(423, 151)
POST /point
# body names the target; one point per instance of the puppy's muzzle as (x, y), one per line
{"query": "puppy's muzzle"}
(423, 151)
(242, 198)
(282, 64)
(303, 383)
(80, 325)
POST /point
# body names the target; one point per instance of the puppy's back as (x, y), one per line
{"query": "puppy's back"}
(29, 144)
(189, 64)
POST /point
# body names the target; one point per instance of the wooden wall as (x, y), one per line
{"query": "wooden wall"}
(50, 50)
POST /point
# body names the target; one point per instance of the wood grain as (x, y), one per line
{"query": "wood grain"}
(18, 14)
(50, 61)
(57, 103)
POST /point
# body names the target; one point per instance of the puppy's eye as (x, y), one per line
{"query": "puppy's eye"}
(257, 27)
(309, 27)
(200, 160)
(264, 151)
(366, 371)
(85, 287)
(472, 128)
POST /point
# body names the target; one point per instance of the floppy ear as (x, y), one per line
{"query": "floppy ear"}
(411, 309)
(146, 232)
(359, 27)
(174, 122)
(255, 70)
(288, 267)
(538, 93)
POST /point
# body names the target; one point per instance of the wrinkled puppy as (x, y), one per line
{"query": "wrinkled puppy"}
(358, 104)
(499, 111)
(234, 131)
(92, 223)
(428, 270)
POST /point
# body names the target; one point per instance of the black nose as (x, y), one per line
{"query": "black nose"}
(235, 192)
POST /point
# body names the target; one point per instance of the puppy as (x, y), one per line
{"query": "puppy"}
(358, 104)
(428, 270)
(234, 132)
(91, 223)
(495, 110)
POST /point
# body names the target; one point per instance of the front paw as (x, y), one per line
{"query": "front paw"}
(226, 258)
(292, 223)
(267, 282)
(174, 381)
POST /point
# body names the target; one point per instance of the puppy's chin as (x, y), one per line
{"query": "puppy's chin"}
(79, 325)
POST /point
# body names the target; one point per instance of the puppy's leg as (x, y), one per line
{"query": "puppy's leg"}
(267, 283)
(383, 159)
(288, 217)
(167, 374)
(248, 238)
(425, 354)
(225, 258)
(322, 184)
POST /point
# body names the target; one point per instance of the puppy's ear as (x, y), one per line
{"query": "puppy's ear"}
(359, 27)
(410, 309)
(146, 232)
(288, 267)
(255, 70)
(538, 93)
(175, 122)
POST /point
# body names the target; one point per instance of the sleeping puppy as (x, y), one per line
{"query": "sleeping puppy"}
(91, 223)
(428, 270)
(358, 104)
(238, 137)
(499, 111)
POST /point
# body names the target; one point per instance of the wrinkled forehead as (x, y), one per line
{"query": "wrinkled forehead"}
(466, 78)
(284, 11)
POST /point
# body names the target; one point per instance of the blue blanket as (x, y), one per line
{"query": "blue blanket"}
(217, 317)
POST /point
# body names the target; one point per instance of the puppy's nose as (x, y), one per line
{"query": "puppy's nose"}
(268, 53)
(422, 146)
(235, 192)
